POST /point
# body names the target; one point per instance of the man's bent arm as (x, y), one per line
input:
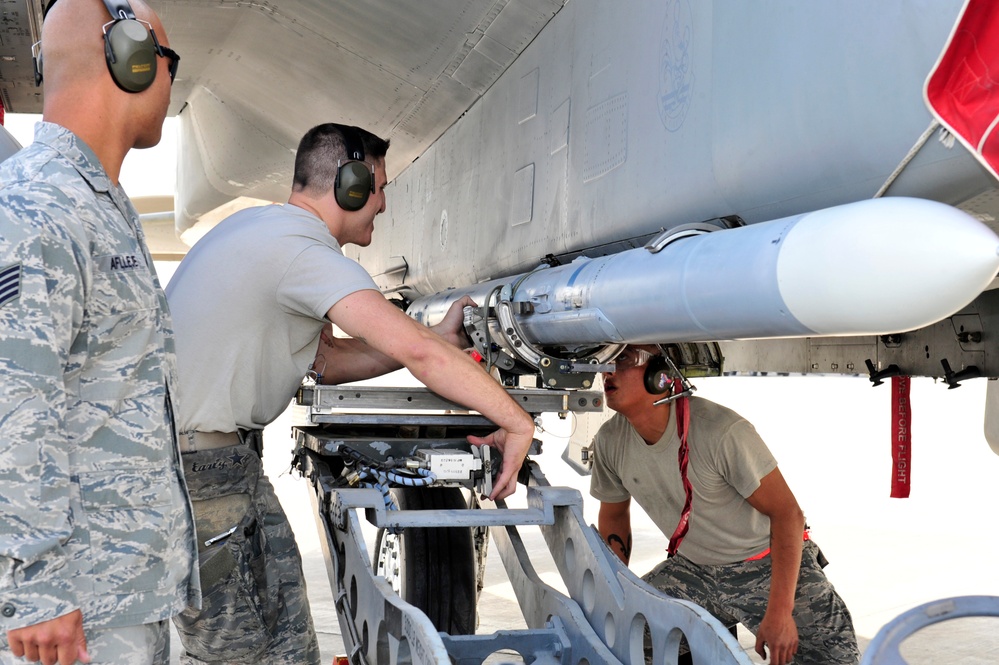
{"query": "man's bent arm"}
(778, 631)
(444, 369)
(614, 524)
(344, 359)
(36, 332)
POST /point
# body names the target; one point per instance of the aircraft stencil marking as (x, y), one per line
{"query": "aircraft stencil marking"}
(676, 78)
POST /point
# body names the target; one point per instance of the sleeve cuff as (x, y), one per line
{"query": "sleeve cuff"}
(34, 603)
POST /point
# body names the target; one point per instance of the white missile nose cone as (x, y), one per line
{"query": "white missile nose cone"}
(884, 265)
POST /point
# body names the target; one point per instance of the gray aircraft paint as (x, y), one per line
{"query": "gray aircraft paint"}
(575, 145)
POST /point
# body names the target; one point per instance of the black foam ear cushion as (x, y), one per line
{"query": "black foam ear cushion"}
(37, 64)
(353, 186)
(657, 379)
(131, 55)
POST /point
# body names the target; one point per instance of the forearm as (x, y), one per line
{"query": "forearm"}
(38, 332)
(452, 374)
(34, 524)
(615, 529)
(778, 631)
(785, 560)
(34, 517)
(345, 359)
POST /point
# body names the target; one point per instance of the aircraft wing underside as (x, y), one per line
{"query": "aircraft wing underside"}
(527, 131)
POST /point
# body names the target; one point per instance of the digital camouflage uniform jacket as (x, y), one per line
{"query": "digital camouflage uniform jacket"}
(93, 509)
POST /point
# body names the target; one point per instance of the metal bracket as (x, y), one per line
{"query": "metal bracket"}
(954, 379)
(555, 372)
(669, 236)
(688, 387)
(877, 376)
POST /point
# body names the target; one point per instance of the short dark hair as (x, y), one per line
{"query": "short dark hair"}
(323, 147)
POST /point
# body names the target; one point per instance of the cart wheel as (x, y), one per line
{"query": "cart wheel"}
(431, 568)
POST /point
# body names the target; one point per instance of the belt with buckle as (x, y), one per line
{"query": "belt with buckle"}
(194, 441)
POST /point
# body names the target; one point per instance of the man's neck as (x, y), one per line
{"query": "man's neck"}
(89, 126)
(317, 207)
(650, 422)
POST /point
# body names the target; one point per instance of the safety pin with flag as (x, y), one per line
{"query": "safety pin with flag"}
(962, 90)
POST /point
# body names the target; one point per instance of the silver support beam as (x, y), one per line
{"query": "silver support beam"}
(603, 620)
(609, 607)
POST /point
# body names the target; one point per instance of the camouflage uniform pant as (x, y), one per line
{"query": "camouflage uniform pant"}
(740, 591)
(254, 603)
(147, 644)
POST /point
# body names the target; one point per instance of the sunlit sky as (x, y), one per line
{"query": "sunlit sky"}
(145, 172)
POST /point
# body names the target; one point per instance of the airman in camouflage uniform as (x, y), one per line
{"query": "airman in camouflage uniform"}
(96, 532)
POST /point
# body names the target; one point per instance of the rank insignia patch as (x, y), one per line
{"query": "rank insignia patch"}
(10, 284)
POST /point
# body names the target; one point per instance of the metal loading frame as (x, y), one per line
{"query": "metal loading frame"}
(603, 620)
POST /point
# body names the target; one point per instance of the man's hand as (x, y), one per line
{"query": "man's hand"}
(779, 634)
(452, 326)
(444, 369)
(514, 448)
(59, 640)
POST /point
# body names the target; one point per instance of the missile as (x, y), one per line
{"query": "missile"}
(871, 267)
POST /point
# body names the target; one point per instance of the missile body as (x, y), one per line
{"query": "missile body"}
(872, 267)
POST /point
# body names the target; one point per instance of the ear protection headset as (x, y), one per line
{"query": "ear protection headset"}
(355, 179)
(36, 48)
(130, 48)
(656, 377)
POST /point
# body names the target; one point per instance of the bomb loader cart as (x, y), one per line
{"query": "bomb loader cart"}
(399, 457)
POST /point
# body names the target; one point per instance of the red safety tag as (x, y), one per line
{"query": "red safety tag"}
(683, 458)
(901, 439)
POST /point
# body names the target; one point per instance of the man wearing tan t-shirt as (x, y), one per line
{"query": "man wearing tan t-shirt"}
(742, 555)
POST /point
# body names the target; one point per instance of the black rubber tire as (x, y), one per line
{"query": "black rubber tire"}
(436, 565)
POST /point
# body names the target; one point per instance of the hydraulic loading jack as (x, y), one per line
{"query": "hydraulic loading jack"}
(400, 455)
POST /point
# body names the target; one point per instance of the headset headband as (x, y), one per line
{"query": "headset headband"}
(352, 144)
(119, 9)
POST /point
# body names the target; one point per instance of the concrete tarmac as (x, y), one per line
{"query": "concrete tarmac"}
(831, 437)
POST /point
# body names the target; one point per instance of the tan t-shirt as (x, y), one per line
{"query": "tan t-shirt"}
(248, 303)
(728, 459)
